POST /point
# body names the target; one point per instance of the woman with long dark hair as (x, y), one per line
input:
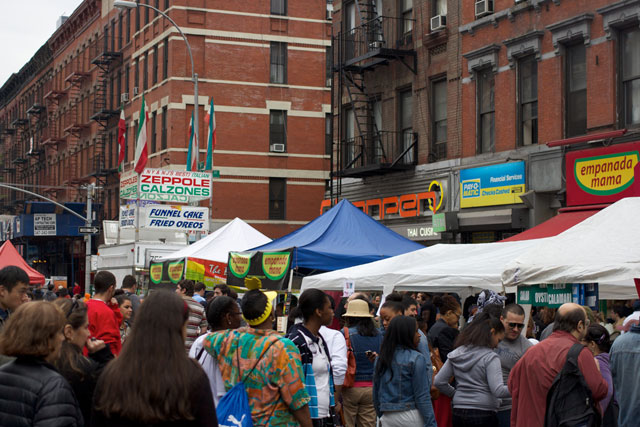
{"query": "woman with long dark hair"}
(222, 313)
(316, 311)
(82, 373)
(153, 381)
(478, 374)
(401, 395)
(363, 339)
(598, 341)
(126, 308)
(32, 389)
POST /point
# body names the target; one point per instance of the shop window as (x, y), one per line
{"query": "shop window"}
(576, 90)
(279, 7)
(277, 198)
(278, 63)
(278, 130)
(528, 100)
(485, 93)
(630, 76)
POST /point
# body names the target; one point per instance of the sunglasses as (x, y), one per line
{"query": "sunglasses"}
(514, 325)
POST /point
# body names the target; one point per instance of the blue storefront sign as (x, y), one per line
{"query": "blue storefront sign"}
(492, 185)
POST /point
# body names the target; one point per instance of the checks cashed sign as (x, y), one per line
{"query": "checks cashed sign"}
(167, 185)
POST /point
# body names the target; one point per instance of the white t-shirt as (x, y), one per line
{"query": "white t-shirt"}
(338, 351)
(321, 374)
(210, 366)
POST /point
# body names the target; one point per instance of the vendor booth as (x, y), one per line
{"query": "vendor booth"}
(10, 256)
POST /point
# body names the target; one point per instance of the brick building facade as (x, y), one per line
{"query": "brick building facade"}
(263, 63)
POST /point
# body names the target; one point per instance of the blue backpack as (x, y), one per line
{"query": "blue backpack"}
(233, 409)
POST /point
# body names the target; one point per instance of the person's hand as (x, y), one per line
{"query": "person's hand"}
(371, 355)
(113, 301)
(338, 408)
(94, 345)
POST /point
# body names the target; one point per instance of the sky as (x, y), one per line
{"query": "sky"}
(25, 25)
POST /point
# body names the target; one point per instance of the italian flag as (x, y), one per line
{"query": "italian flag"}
(192, 153)
(122, 128)
(211, 137)
(141, 139)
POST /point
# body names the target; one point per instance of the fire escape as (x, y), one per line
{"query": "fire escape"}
(37, 114)
(53, 134)
(18, 152)
(7, 168)
(107, 58)
(364, 146)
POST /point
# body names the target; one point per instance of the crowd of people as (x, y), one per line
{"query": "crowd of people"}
(198, 358)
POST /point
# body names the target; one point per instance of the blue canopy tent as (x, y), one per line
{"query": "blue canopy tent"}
(342, 237)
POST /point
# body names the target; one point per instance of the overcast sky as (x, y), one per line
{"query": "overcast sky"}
(25, 25)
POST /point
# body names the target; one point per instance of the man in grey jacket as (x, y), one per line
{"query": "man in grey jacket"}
(510, 350)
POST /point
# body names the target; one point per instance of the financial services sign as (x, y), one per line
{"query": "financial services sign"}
(163, 185)
(603, 175)
(492, 185)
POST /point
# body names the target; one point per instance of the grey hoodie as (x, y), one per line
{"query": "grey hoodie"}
(478, 378)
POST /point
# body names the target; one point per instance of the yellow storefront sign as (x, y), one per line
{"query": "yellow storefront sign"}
(607, 174)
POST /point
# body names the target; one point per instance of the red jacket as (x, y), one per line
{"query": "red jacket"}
(531, 378)
(104, 323)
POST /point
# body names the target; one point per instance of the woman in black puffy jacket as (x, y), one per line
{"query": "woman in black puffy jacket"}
(33, 392)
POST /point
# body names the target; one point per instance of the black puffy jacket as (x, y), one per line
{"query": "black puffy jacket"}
(33, 393)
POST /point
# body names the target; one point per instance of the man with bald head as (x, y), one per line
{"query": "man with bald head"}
(532, 377)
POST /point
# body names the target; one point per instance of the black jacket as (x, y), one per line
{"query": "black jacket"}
(442, 337)
(33, 393)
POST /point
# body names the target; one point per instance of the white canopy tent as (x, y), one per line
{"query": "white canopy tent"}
(604, 249)
(236, 235)
(464, 269)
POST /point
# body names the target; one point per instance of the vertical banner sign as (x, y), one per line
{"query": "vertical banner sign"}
(272, 268)
(492, 185)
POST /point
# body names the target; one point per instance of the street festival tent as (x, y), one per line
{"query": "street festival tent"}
(344, 236)
(604, 249)
(206, 259)
(10, 256)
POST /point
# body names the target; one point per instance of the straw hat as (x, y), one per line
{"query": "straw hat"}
(358, 308)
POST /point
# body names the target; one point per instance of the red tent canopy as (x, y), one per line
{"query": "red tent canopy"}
(10, 256)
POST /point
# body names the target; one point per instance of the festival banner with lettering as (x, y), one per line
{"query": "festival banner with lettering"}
(171, 272)
(272, 268)
(555, 295)
(603, 175)
(167, 185)
(167, 272)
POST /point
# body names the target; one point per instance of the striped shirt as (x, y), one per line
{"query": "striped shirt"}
(275, 387)
(197, 322)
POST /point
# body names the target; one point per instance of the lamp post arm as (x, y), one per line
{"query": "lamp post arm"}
(44, 198)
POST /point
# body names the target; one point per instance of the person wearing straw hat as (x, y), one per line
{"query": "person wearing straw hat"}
(267, 363)
(363, 341)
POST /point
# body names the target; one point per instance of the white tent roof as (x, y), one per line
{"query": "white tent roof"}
(604, 248)
(461, 268)
(236, 235)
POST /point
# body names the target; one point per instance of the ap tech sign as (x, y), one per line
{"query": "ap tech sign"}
(603, 175)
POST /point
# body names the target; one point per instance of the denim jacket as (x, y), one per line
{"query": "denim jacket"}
(407, 389)
(360, 345)
(625, 365)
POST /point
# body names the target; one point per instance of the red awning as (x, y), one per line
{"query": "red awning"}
(10, 256)
(556, 225)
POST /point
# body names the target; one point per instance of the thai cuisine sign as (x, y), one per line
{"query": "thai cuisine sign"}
(163, 185)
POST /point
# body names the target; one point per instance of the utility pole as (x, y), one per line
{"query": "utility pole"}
(87, 237)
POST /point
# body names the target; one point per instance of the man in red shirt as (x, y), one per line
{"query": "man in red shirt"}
(532, 377)
(103, 312)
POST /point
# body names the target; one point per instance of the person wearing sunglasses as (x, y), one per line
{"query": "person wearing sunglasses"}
(81, 372)
(510, 350)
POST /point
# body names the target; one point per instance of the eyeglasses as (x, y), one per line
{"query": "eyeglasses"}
(74, 304)
(514, 325)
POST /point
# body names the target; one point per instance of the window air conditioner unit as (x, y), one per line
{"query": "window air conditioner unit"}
(135, 90)
(438, 22)
(520, 1)
(484, 7)
(277, 148)
(124, 97)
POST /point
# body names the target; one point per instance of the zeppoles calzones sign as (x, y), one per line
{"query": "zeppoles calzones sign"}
(166, 185)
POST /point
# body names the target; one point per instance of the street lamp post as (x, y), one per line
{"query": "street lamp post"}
(122, 4)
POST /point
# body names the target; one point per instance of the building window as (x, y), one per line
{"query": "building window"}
(328, 60)
(163, 144)
(528, 100)
(485, 88)
(128, 25)
(166, 4)
(126, 78)
(145, 72)
(146, 13)
(278, 7)
(278, 62)
(439, 7)
(120, 32)
(134, 139)
(126, 150)
(278, 130)
(277, 198)
(118, 93)
(113, 35)
(407, 16)
(439, 119)
(576, 90)
(155, 64)
(137, 19)
(630, 67)
(165, 59)
(328, 140)
(406, 124)
(157, 6)
(153, 132)
(349, 136)
(136, 74)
